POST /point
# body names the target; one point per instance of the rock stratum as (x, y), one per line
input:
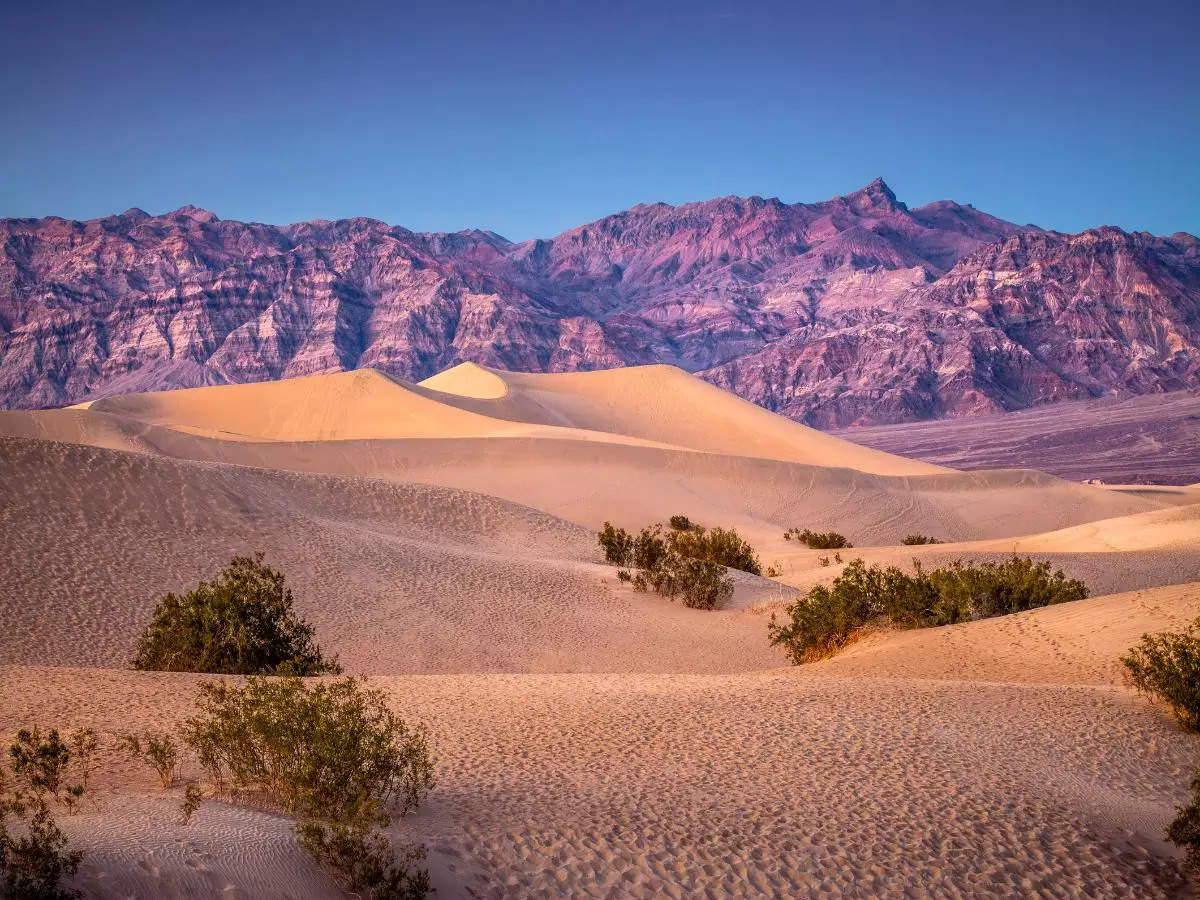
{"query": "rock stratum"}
(853, 311)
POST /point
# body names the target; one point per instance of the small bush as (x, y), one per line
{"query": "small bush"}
(335, 756)
(724, 547)
(1167, 666)
(34, 863)
(1184, 832)
(193, 796)
(818, 540)
(774, 570)
(332, 751)
(156, 750)
(241, 624)
(825, 619)
(649, 548)
(366, 862)
(617, 544)
(687, 561)
(912, 540)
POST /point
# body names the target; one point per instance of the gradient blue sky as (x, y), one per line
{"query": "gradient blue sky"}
(529, 118)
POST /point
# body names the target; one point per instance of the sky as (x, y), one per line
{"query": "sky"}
(529, 118)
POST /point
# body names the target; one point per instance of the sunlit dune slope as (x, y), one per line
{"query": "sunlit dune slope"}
(659, 403)
(656, 405)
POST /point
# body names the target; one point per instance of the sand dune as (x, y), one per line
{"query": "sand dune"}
(595, 741)
(396, 578)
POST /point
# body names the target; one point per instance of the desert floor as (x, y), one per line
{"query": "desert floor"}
(592, 740)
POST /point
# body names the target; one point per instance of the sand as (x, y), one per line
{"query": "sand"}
(592, 740)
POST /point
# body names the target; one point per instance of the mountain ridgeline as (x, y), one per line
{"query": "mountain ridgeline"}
(856, 310)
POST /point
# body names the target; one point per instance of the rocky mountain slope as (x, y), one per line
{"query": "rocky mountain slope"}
(850, 311)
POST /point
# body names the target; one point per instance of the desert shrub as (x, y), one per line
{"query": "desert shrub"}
(34, 858)
(724, 547)
(1184, 832)
(33, 864)
(1167, 666)
(698, 583)
(193, 796)
(617, 544)
(986, 589)
(774, 570)
(366, 862)
(333, 751)
(818, 540)
(243, 623)
(332, 754)
(686, 561)
(156, 750)
(824, 620)
(912, 540)
(823, 560)
(649, 548)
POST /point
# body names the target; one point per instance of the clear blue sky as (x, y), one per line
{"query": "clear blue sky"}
(529, 118)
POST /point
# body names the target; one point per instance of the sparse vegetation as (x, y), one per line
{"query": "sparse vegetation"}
(154, 749)
(335, 756)
(1184, 832)
(366, 862)
(1167, 666)
(243, 623)
(818, 540)
(193, 796)
(912, 540)
(330, 751)
(826, 618)
(617, 544)
(686, 561)
(34, 858)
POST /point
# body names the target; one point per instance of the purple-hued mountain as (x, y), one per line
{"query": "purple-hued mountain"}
(856, 310)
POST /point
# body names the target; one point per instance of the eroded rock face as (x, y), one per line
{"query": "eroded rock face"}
(855, 310)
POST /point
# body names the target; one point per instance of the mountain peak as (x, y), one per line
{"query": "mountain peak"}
(194, 212)
(876, 196)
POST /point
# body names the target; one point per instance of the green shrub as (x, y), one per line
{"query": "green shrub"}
(156, 750)
(911, 540)
(818, 540)
(617, 544)
(1167, 666)
(366, 862)
(981, 590)
(193, 796)
(687, 561)
(333, 755)
(241, 624)
(825, 619)
(649, 548)
(1185, 830)
(333, 751)
(33, 863)
(724, 547)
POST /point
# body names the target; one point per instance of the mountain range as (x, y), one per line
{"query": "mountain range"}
(852, 311)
